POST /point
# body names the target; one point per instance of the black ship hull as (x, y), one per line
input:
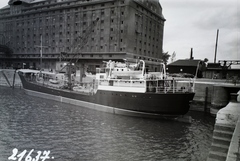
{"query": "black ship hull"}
(155, 105)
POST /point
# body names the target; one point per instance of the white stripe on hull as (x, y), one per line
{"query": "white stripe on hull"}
(122, 89)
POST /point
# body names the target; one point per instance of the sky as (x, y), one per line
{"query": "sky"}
(194, 24)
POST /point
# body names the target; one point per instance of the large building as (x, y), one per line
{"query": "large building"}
(86, 31)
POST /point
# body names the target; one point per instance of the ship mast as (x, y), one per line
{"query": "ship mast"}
(41, 51)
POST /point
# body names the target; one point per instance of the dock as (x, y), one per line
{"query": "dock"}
(226, 135)
(212, 94)
(10, 78)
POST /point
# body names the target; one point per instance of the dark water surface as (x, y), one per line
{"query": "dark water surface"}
(72, 133)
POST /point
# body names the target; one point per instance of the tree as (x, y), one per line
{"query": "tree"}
(165, 57)
(173, 57)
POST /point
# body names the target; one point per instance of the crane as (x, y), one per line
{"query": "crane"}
(83, 41)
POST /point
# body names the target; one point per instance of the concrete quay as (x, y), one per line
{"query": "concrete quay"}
(212, 94)
(9, 78)
(226, 135)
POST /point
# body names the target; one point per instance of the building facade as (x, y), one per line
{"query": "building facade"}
(86, 31)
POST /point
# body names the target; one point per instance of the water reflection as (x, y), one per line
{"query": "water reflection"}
(73, 133)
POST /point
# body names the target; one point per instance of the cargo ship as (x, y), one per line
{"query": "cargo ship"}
(118, 87)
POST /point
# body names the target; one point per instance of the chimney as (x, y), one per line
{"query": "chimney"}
(191, 54)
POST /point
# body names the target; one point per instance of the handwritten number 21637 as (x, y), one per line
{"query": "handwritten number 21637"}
(28, 157)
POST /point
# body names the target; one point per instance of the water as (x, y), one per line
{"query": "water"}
(72, 133)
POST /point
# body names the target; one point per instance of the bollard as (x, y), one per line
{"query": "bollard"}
(220, 97)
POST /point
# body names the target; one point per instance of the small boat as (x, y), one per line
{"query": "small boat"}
(53, 81)
(118, 88)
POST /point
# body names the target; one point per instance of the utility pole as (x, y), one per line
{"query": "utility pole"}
(216, 46)
(41, 54)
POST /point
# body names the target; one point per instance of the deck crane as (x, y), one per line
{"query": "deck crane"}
(80, 41)
(83, 41)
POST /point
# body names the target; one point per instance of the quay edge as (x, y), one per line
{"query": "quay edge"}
(212, 94)
(226, 134)
(9, 78)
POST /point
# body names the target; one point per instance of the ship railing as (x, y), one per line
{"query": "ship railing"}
(186, 85)
(122, 83)
(171, 90)
(168, 86)
(153, 86)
